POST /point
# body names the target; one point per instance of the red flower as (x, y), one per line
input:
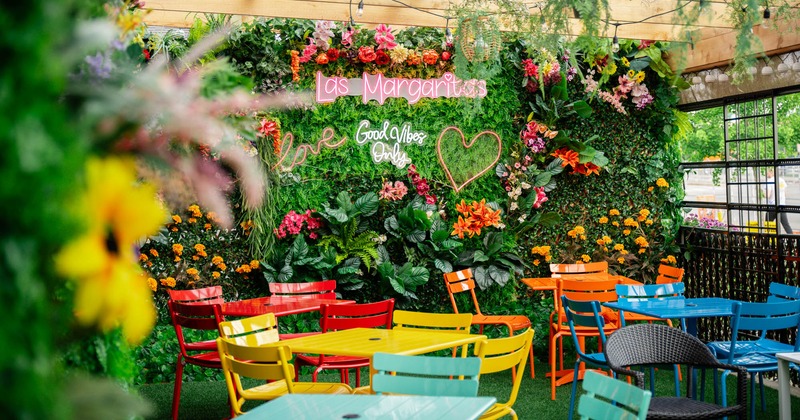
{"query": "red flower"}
(645, 43)
(529, 68)
(366, 54)
(333, 54)
(446, 55)
(322, 59)
(146, 54)
(381, 58)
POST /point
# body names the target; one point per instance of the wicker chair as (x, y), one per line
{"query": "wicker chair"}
(655, 344)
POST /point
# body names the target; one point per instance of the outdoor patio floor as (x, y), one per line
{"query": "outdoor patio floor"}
(208, 400)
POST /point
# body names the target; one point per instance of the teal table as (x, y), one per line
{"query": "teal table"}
(690, 309)
(410, 407)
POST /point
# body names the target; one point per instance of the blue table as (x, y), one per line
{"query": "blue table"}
(690, 309)
(411, 407)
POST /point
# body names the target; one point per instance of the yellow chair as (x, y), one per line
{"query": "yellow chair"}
(266, 363)
(255, 331)
(457, 323)
(501, 354)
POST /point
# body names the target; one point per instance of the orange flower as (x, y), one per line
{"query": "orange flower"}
(568, 156)
(463, 208)
(153, 252)
(460, 227)
(430, 57)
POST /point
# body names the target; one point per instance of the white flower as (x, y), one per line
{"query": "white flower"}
(522, 218)
(513, 206)
(525, 185)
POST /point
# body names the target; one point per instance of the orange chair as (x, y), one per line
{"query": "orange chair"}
(669, 274)
(462, 281)
(325, 289)
(580, 287)
(343, 317)
(197, 309)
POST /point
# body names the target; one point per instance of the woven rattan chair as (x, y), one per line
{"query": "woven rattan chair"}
(655, 344)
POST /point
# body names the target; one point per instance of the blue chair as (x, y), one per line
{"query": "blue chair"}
(633, 293)
(585, 315)
(611, 399)
(426, 375)
(752, 354)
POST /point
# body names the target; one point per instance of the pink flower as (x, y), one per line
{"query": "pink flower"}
(347, 37)
(529, 68)
(267, 127)
(393, 192)
(541, 197)
(384, 37)
(625, 86)
(430, 199)
(308, 52)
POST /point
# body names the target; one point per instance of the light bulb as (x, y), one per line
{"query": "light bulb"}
(615, 44)
(722, 77)
(448, 36)
(752, 71)
(711, 78)
(796, 66)
(696, 80)
(360, 11)
(783, 68)
(766, 71)
(767, 14)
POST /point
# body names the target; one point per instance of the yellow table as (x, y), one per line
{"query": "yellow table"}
(365, 342)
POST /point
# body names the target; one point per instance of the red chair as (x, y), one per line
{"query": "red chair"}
(462, 281)
(325, 289)
(199, 310)
(343, 317)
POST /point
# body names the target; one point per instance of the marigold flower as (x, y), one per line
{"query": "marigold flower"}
(648, 222)
(192, 272)
(536, 262)
(626, 232)
(661, 182)
(142, 258)
(207, 226)
(254, 264)
(215, 274)
(169, 282)
(244, 268)
(153, 252)
(642, 250)
(176, 218)
(621, 260)
(195, 210)
(192, 220)
(580, 230)
(177, 249)
(177, 259)
(619, 247)
(607, 240)
(650, 189)
(615, 223)
(199, 247)
(586, 258)
(603, 220)
(613, 212)
(152, 283)
(212, 216)
(216, 260)
(222, 266)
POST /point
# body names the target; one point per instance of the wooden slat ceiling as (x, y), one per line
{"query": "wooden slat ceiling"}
(713, 35)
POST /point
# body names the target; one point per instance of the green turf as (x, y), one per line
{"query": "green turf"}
(208, 400)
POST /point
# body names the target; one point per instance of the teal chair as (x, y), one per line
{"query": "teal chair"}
(607, 398)
(751, 354)
(426, 375)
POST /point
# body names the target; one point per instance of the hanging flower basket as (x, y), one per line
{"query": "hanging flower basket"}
(479, 38)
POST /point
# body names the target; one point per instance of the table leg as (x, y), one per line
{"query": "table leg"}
(784, 395)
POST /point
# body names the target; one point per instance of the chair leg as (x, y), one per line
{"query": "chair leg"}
(358, 377)
(176, 394)
(533, 373)
(574, 389)
(553, 368)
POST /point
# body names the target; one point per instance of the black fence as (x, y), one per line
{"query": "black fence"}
(736, 265)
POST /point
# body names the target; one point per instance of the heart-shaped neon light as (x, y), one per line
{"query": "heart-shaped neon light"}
(458, 185)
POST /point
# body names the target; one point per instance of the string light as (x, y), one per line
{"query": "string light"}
(448, 34)
(615, 42)
(360, 10)
(767, 14)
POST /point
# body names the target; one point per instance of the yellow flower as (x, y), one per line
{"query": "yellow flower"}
(244, 268)
(118, 211)
(639, 77)
(603, 220)
(169, 282)
(607, 240)
(211, 216)
(621, 260)
(644, 212)
(255, 264)
(619, 247)
(613, 212)
(642, 250)
(177, 259)
(629, 222)
(192, 272)
(580, 230)
(586, 258)
(650, 189)
(153, 252)
(215, 274)
(176, 219)
(177, 249)
(548, 258)
(669, 260)
(152, 283)
(222, 266)
(641, 218)
(661, 182)
(625, 61)
(195, 210)
(216, 260)
(572, 233)
(615, 223)
(648, 222)
(600, 241)
(192, 220)
(611, 68)
(626, 232)
(631, 74)
(641, 241)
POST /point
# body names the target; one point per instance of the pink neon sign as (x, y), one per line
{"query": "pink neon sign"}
(377, 87)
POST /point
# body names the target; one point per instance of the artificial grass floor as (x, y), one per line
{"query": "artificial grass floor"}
(208, 400)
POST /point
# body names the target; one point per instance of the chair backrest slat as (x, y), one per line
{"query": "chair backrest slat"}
(504, 353)
(765, 316)
(611, 399)
(325, 289)
(461, 281)
(432, 321)
(363, 315)
(254, 331)
(426, 375)
(558, 270)
(202, 296)
(780, 291)
(193, 316)
(669, 274)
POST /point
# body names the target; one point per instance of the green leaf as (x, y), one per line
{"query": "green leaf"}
(344, 202)
(479, 256)
(338, 215)
(367, 204)
(417, 276)
(392, 226)
(640, 63)
(541, 180)
(440, 235)
(443, 266)
(416, 236)
(481, 277)
(549, 219)
(299, 248)
(286, 274)
(583, 109)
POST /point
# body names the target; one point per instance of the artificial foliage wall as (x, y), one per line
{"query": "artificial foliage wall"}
(560, 156)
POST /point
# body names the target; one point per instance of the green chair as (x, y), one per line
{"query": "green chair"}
(607, 398)
(426, 375)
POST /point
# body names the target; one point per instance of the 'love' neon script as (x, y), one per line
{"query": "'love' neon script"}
(383, 135)
(377, 87)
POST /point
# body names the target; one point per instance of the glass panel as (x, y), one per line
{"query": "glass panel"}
(705, 184)
(705, 143)
(788, 112)
(750, 221)
(749, 185)
(705, 218)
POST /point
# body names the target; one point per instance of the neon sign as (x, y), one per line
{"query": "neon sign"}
(383, 135)
(379, 88)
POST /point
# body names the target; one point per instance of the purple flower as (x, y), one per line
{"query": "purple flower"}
(99, 65)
